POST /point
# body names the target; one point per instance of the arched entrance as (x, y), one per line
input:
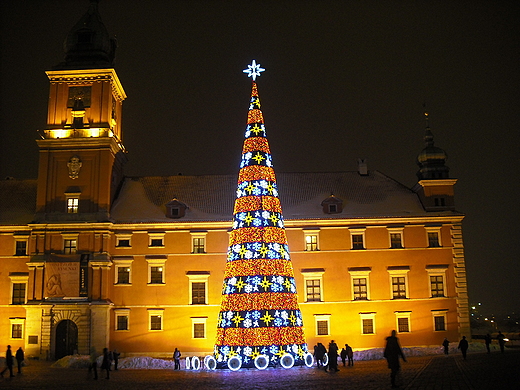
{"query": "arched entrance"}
(66, 339)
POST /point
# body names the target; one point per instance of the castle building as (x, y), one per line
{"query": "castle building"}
(92, 258)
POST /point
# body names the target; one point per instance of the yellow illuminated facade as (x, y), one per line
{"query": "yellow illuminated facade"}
(90, 258)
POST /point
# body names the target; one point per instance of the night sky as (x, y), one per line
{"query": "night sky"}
(343, 80)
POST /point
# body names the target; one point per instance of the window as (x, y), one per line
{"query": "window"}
(437, 286)
(396, 240)
(322, 324)
(156, 240)
(17, 327)
(313, 279)
(72, 205)
(156, 268)
(357, 241)
(439, 320)
(123, 240)
(311, 240)
(398, 287)
(20, 248)
(198, 242)
(198, 327)
(360, 283)
(313, 290)
(440, 202)
(123, 267)
(403, 321)
(357, 237)
(198, 293)
(122, 319)
(434, 236)
(368, 323)
(19, 282)
(399, 281)
(70, 245)
(437, 276)
(198, 282)
(360, 289)
(18, 294)
(156, 319)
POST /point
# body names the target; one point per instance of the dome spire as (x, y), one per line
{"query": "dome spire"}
(88, 44)
(432, 159)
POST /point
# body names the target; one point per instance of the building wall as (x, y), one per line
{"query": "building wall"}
(334, 260)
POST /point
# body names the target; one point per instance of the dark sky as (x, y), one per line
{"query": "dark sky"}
(344, 79)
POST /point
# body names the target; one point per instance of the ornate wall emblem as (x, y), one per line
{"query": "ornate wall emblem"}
(74, 165)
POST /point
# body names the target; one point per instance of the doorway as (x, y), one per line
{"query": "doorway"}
(66, 339)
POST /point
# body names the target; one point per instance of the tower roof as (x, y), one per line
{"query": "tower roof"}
(431, 159)
(88, 44)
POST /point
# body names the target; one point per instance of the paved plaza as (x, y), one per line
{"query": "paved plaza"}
(480, 371)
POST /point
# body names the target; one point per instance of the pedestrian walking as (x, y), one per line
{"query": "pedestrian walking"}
(93, 362)
(501, 341)
(8, 362)
(487, 339)
(392, 353)
(350, 354)
(177, 359)
(446, 345)
(105, 364)
(19, 359)
(115, 355)
(463, 346)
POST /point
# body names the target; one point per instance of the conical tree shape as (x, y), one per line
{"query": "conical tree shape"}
(259, 312)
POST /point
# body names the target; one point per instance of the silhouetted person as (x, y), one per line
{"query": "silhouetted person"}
(391, 354)
(115, 355)
(343, 355)
(8, 362)
(105, 364)
(93, 362)
(501, 341)
(319, 354)
(177, 359)
(487, 339)
(333, 356)
(350, 354)
(20, 357)
(446, 345)
(463, 346)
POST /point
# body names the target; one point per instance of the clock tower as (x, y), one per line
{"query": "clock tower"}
(81, 150)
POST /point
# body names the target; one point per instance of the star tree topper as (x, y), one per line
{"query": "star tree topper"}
(253, 70)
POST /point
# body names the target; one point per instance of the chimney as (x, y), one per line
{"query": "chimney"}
(362, 167)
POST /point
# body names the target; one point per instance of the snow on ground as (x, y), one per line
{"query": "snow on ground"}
(144, 362)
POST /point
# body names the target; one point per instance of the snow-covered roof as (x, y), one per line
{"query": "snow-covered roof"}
(211, 198)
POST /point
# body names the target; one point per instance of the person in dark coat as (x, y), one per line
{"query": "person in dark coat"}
(501, 341)
(350, 354)
(115, 355)
(446, 345)
(463, 346)
(319, 353)
(105, 364)
(392, 353)
(19, 359)
(9, 361)
(343, 355)
(487, 340)
(333, 357)
(177, 359)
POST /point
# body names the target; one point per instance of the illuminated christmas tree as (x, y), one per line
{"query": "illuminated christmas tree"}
(260, 322)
